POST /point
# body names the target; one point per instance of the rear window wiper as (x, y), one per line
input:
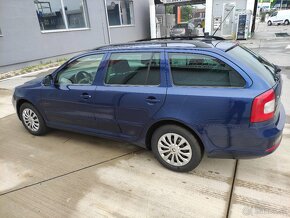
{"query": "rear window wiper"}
(277, 69)
(274, 74)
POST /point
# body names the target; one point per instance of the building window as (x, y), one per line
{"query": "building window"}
(61, 14)
(120, 12)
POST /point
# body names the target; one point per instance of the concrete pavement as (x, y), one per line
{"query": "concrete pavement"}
(91, 177)
(5, 103)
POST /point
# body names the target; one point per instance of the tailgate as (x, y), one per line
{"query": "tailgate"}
(278, 90)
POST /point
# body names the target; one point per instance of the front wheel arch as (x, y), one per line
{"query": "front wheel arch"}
(158, 124)
(18, 105)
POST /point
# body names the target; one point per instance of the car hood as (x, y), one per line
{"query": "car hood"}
(32, 82)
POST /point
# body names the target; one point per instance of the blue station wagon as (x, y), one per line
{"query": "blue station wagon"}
(178, 98)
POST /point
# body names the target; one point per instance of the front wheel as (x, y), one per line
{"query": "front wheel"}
(269, 23)
(32, 119)
(286, 22)
(176, 148)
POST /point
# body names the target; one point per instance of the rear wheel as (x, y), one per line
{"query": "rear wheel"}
(176, 148)
(286, 22)
(32, 119)
(269, 23)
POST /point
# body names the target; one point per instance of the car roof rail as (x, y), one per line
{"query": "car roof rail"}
(183, 38)
(135, 43)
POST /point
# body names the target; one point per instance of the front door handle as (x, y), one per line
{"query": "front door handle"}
(152, 100)
(85, 96)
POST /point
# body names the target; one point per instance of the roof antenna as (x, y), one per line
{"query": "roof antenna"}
(224, 20)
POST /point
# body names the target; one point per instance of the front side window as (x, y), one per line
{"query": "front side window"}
(202, 70)
(81, 71)
(120, 12)
(134, 69)
(61, 14)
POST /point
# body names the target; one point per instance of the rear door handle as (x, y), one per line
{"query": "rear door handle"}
(85, 96)
(152, 100)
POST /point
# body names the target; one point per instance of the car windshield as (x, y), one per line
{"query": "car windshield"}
(255, 62)
(274, 14)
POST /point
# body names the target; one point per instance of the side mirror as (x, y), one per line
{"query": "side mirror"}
(48, 80)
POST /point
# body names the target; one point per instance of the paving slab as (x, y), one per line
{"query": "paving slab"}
(26, 159)
(6, 107)
(132, 186)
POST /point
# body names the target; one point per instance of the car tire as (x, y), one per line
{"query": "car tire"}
(286, 22)
(32, 119)
(167, 147)
(199, 26)
(269, 23)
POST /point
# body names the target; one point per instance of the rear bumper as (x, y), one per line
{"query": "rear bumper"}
(256, 141)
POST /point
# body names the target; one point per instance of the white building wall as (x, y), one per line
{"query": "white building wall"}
(214, 8)
(208, 16)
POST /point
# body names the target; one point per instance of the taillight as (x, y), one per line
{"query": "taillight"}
(263, 107)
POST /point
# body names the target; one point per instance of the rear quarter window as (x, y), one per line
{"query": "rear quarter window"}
(202, 70)
(258, 64)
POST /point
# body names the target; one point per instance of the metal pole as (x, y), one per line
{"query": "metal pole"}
(254, 17)
(107, 22)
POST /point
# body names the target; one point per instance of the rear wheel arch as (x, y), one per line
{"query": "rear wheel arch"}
(158, 124)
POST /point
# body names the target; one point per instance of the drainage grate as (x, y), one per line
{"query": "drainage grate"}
(281, 34)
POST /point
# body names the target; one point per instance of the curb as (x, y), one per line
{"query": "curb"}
(30, 73)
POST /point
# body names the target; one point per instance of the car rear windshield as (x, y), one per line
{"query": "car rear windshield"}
(257, 63)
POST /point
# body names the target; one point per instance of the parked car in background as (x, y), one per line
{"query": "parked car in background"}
(178, 98)
(197, 22)
(183, 30)
(279, 17)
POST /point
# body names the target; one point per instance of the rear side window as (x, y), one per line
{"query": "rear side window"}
(134, 69)
(202, 70)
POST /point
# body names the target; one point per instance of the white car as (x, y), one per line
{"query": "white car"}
(279, 17)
